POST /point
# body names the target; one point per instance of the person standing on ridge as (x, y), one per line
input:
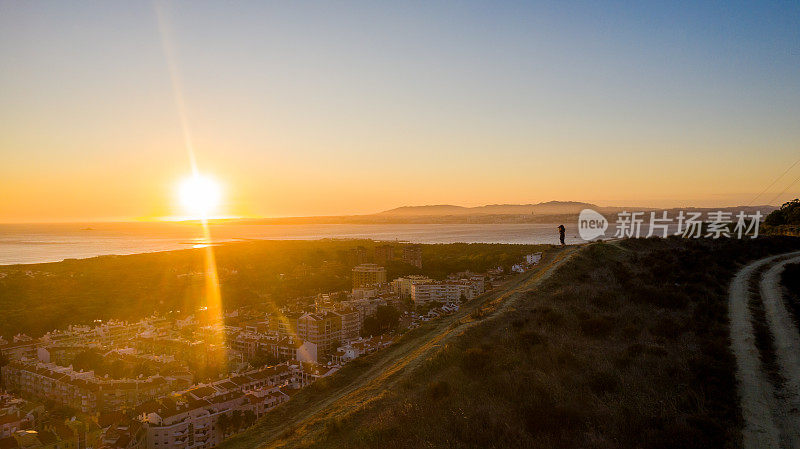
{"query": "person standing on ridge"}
(561, 231)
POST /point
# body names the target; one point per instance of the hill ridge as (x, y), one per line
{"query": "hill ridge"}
(363, 380)
(548, 207)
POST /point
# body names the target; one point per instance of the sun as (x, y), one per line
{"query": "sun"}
(199, 195)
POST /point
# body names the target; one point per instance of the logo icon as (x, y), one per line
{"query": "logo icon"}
(591, 224)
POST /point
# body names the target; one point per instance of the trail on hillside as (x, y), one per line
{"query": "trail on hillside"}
(771, 412)
(399, 359)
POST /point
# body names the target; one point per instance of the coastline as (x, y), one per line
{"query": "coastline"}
(46, 243)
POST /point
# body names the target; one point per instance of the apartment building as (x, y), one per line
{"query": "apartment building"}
(198, 418)
(16, 414)
(412, 254)
(444, 291)
(290, 348)
(308, 373)
(72, 434)
(365, 307)
(368, 274)
(357, 256)
(123, 434)
(191, 351)
(83, 390)
(284, 324)
(187, 422)
(322, 328)
(351, 324)
(364, 292)
(402, 286)
(384, 254)
(246, 344)
(12, 422)
(19, 349)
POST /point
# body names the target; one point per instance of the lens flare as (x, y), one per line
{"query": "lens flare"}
(199, 196)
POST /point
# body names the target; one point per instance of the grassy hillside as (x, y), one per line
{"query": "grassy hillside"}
(790, 279)
(625, 345)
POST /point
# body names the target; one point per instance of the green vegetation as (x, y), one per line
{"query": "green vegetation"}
(785, 221)
(93, 360)
(440, 260)
(788, 214)
(3, 362)
(427, 307)
(39, 297)
(626, 345)
(236, 421)
(384, 320)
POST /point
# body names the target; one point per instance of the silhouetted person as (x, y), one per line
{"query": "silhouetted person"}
(561, 231)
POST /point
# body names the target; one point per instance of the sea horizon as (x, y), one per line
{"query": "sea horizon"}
(54, 242)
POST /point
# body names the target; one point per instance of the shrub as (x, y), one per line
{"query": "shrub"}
(476, 360)
(597, 326)
(438, 390)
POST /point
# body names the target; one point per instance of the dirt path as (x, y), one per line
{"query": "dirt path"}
(787, 347)
(767, 411)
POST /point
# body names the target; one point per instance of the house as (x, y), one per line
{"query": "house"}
(533, 259)
(362, 346)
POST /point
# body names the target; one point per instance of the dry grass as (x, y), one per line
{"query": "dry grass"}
(625, 346)
(790, 279)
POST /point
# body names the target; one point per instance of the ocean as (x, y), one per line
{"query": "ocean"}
(36, 243)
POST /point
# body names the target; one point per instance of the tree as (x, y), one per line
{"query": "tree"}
(789, 213)
(142, 369)
(237, 419)
(384, 320)
(116, 369)
(249, 418)
(88, 360)
(3, 362)
(223, 422)
(263, 359)
(370, 326)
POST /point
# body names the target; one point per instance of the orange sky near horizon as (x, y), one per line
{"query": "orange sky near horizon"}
(337, 111)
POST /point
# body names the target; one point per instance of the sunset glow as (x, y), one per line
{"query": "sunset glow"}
(199, 196)
(421, 224)
(602, 104)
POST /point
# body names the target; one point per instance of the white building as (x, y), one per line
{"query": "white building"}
(357, 348)
(368, 274)
(293, 349)
(364, 293)
(533, 259)
(365, 307)
(445, 291)
(402, 286)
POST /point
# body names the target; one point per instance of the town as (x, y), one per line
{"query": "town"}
(190, 381)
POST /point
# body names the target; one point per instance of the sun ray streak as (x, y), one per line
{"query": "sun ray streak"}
(175, 81)
(212, 292)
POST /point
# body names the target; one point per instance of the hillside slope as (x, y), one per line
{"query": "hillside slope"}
(624, 345)
(548, 208)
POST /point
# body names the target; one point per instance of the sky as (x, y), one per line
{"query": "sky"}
(329, 108)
